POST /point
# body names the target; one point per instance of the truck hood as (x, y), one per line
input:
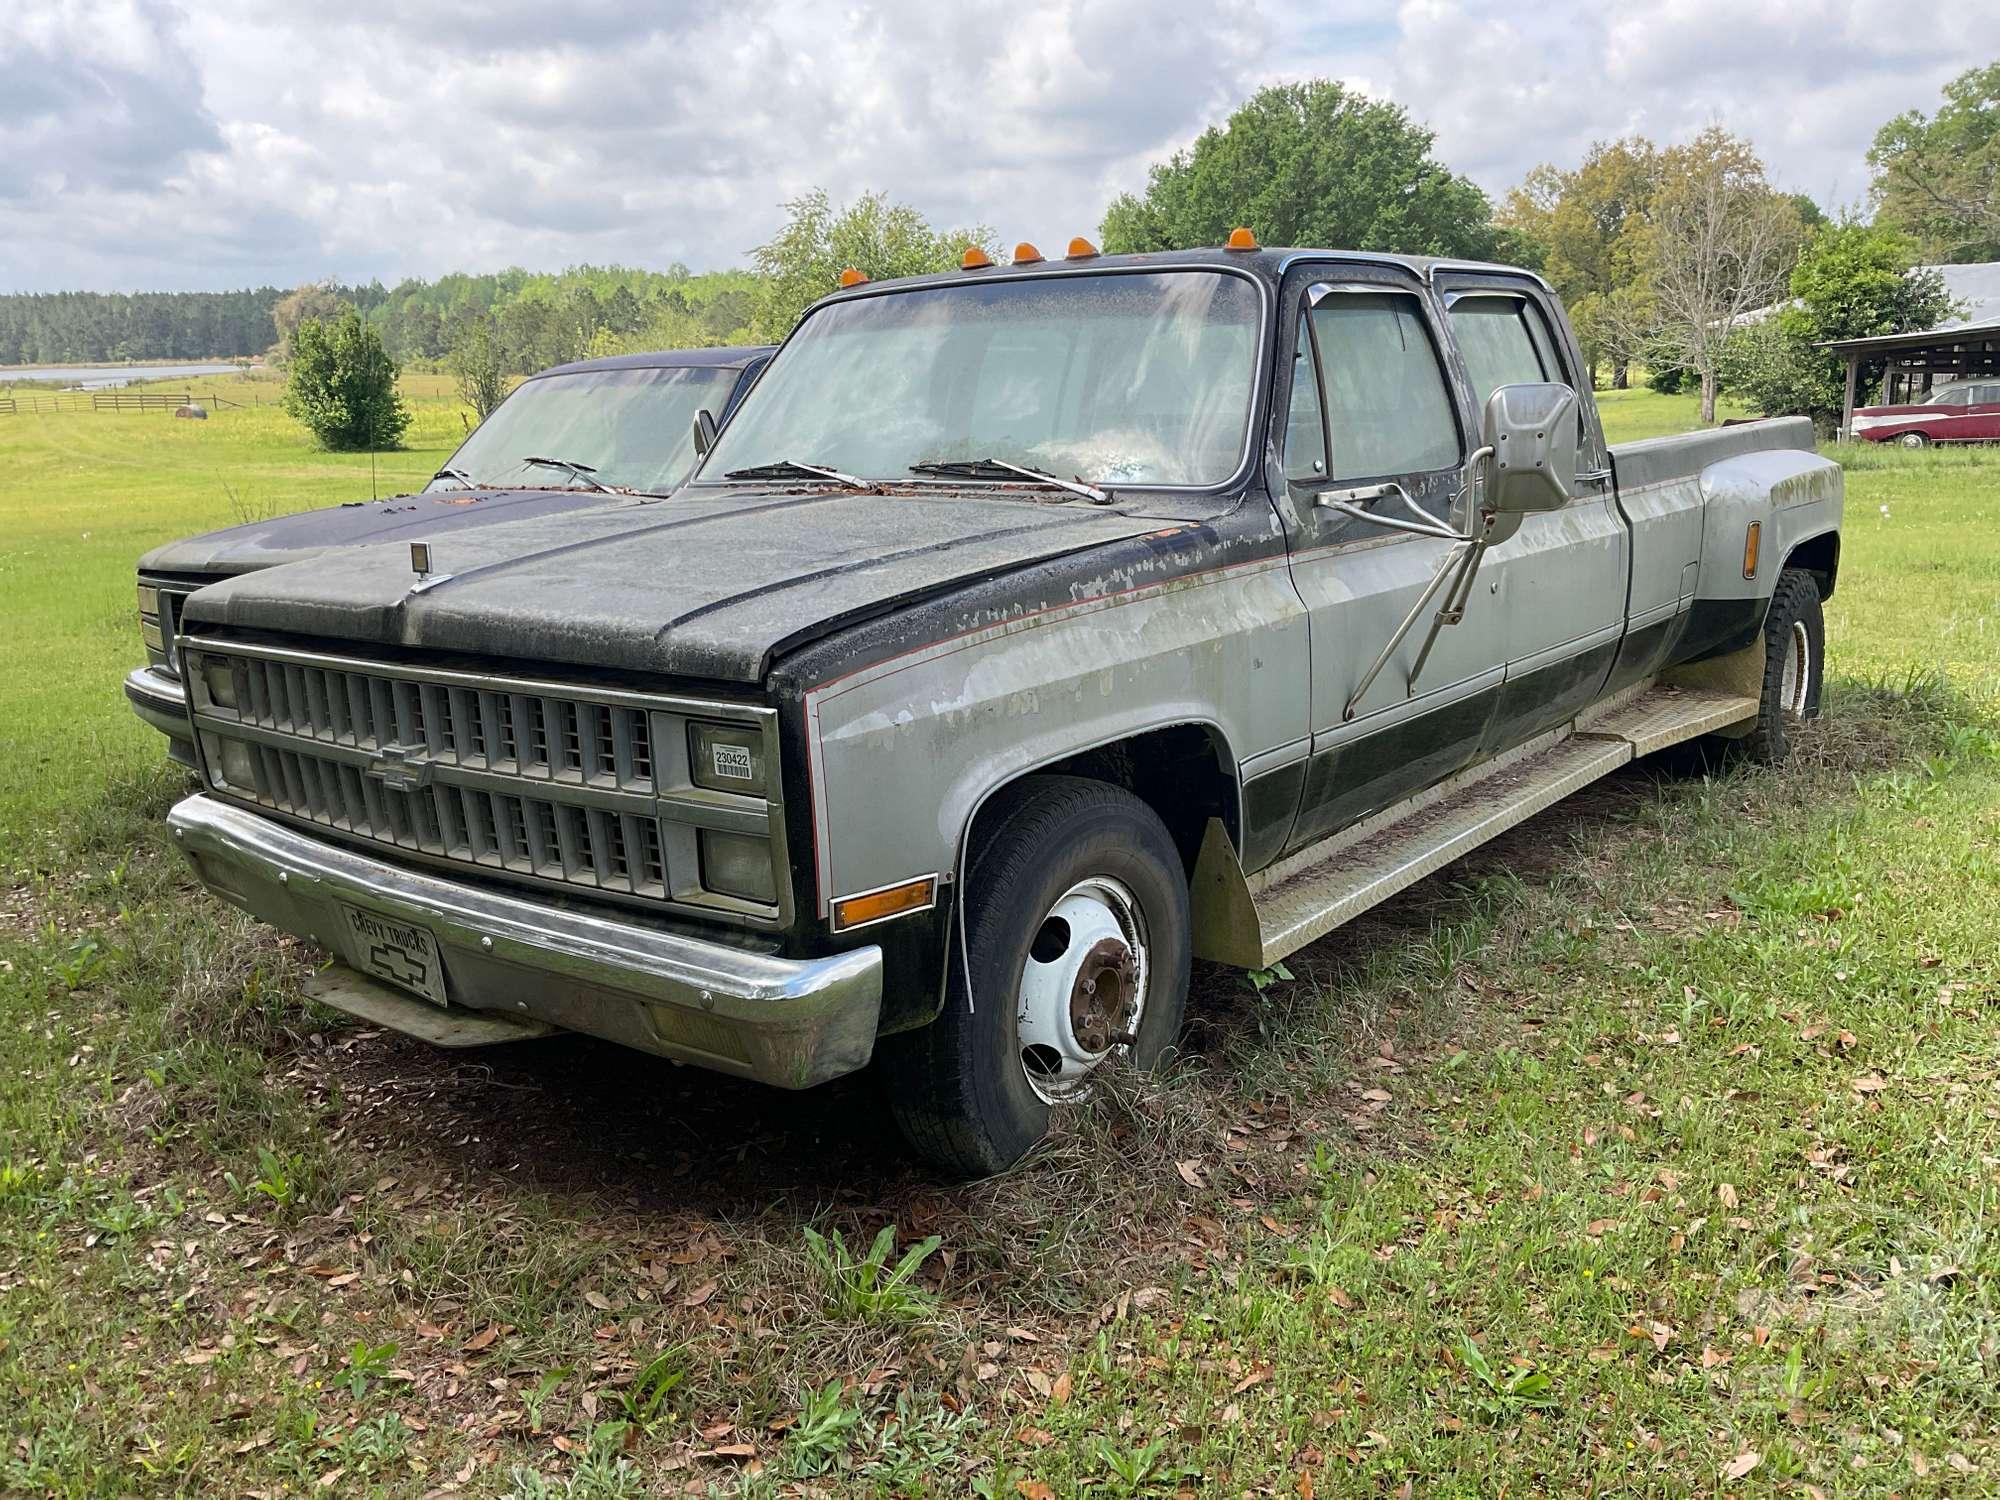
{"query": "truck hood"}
(708, 586)
(284, 539)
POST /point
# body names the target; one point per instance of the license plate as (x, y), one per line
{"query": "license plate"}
(403, 953)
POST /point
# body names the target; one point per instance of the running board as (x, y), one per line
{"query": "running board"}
(1253, 922)
(347, 990)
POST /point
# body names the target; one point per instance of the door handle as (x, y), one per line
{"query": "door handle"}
(1593, 476)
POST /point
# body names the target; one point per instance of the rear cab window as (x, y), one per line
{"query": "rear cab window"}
(1505, 338)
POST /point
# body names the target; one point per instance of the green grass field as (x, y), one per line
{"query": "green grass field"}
(1650, 1150)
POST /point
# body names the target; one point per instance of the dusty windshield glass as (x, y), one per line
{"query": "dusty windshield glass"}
(1132, 379)
(627, 429)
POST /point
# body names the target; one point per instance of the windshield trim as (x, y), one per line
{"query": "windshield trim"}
(1259, 392)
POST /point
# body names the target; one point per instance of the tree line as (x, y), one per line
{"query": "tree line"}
(540, 318)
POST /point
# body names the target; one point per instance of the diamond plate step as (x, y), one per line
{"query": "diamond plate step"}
(1258, 921)
(1314, 901)
(1666, 715)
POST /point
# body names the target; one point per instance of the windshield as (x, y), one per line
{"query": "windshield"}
(628, 429)
(1134, 379)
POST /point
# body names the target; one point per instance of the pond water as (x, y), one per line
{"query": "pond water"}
(109, 377)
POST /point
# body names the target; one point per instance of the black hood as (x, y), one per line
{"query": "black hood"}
(307, 533)
(707, 585)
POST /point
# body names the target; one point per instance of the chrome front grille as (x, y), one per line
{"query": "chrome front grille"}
(547, 783)
(524, 834)
(501, 730)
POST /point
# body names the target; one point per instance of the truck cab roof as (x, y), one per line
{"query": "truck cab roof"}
(1266, 263)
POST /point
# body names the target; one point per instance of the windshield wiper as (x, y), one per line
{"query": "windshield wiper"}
(787, 468)
(581, 471)
(448, 472)
(990, 468)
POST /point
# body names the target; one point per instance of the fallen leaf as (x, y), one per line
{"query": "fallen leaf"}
(699, 1295)
(1033, 1489)
(1060, 1391)
(730, 1451)
(1742, 1464)
(484, 1338)
(1256, 1377)
(1190, 1171)
(1727, 1193)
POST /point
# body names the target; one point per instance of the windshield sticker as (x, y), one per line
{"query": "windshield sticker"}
(732, 761)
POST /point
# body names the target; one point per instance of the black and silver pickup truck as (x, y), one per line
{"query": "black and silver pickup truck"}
(1030, 631)
(598, 431)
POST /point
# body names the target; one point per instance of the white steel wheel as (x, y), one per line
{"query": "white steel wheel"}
(1914, 440)
(1076, 951)
(1796, 675)
(1083, 987)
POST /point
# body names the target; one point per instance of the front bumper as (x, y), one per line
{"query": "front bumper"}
(162, 702)
(787, 1022)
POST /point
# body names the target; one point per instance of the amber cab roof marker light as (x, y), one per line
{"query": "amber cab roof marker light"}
(1026, 254)
(1241, 238)
(974, 259)
(852, 276)
(1081, 249)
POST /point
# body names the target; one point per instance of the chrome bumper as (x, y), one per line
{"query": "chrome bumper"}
(162, 702)
(788, 1022)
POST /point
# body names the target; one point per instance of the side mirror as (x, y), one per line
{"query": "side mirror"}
(1530, 433)
(704, 432)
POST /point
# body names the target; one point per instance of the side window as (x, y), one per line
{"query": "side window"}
(1305, 438)
(1498, 349)
(1953, 397)
(1388, 408)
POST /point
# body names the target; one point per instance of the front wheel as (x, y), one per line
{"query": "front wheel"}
(1077, 937)
(1794, 666)
(1915, 440)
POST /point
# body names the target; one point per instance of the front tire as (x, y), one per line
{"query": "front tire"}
(1077, 934)
(1794, 667)
(1915, 440)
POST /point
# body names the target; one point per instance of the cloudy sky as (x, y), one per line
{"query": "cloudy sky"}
(156, 143)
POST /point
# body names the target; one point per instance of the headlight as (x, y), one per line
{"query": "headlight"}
(735, 865)
(149, 599)
(727, 757)
(230, 762)
(220, 679)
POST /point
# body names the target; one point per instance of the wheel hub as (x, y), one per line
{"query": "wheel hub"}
(1107, 984)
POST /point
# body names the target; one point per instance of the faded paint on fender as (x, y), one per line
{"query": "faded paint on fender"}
(905, 751)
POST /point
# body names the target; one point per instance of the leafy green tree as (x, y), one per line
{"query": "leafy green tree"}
(315, 301)
(1589, 223)
(1717, 243)
(342, 385)
(479, 364)
(1309, 164)
(802, 262)
(1852, 281)
(1938, 176)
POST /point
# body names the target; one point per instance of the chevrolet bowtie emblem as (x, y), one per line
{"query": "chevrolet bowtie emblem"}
(393, 767)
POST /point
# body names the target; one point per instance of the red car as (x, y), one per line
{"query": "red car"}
(1966, 411)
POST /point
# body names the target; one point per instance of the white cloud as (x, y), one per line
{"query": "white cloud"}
(148, 143)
